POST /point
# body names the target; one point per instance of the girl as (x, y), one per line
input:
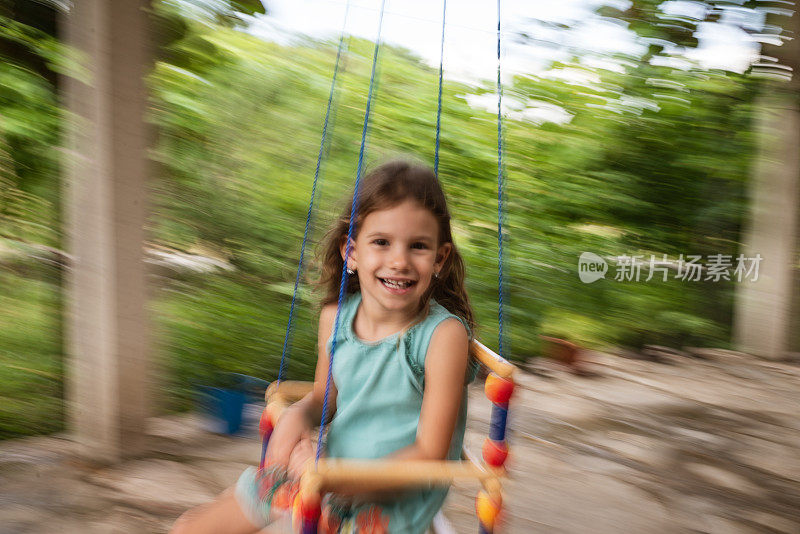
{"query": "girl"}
(400, 371)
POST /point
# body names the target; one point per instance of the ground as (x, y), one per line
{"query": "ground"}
(685, 444)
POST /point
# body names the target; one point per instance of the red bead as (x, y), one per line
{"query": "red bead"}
(310, 509)
(495, 452)
(265, 425)
(498, 390)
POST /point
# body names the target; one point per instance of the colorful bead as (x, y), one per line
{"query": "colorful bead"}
(495, 452)
(265, 425)
(305, 513)
(309, 508)
(498, 390)
(487, 510)
(297, 514)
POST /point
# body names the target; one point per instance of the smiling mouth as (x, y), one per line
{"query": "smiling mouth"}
(397, 284)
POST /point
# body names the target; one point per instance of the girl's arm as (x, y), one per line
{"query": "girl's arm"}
(316, 398)
(301, 417)
(445, 376)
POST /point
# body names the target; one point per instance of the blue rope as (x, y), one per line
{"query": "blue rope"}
(288, 337)
(439, 108)
(350, 232)
(500, 184)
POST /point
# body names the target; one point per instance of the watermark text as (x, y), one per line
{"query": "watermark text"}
(687, 268)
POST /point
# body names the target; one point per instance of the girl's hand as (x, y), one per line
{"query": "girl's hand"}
(297, 421)
(302, 453)
(292, 427)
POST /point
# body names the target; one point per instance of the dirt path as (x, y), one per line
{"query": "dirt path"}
(686, 445)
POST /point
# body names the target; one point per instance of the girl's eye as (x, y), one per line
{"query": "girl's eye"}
(380, 242)
(419, 246)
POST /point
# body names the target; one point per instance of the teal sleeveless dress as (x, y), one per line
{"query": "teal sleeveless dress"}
(378, 404)
(380, 387)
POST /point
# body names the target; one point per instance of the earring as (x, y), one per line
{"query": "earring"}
(436, 274)
(350, 271)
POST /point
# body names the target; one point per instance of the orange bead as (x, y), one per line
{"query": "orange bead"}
(498, 390)
(486, 509)
(297, 513)
(495, 452)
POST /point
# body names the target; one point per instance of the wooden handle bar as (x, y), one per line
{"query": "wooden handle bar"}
(492, 483)
(395, 473)
(276, 406)
(281, 395)
(493, 361)
(467, 455)
(290, 391)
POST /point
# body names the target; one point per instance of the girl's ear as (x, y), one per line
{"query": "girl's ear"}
(351, 263)
(441, 256)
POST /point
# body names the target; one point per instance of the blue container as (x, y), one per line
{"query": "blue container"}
(223, 407)
(226, 406)
(254, 388)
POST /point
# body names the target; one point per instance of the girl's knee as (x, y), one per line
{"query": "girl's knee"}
(182, 525)
(222, 515)
(189, 520)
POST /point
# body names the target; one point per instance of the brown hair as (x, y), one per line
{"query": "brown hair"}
(385, 187)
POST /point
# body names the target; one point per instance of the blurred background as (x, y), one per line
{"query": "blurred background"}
(631, 129)
(157, 158)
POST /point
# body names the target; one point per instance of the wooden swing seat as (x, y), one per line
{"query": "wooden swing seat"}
(319, 477)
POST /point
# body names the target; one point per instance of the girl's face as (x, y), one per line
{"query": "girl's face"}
(396, 255)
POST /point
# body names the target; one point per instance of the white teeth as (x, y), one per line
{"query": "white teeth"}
(396, 284)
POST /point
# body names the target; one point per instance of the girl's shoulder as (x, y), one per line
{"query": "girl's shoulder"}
(418, 338)
(349, 305)
(437, 314)
(343, 327)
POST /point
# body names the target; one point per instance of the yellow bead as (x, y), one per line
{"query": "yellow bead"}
(297, 513)
(486, 509)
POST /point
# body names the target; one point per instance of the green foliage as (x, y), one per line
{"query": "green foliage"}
(30, 119)
(631, 173)
(228, 323)
(31, 361)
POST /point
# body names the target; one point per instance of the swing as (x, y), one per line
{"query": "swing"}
(326, 473)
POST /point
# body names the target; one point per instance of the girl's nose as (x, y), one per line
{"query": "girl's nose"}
(399, 259)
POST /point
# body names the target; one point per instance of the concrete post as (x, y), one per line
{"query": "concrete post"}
(105, 178)
(768, 311)
(764, 308)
